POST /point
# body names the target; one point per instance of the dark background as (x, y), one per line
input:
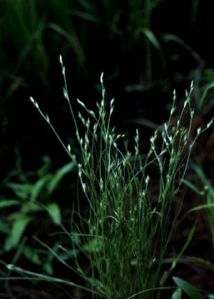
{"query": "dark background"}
(95, 37)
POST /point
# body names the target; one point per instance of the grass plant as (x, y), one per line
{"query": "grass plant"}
(129, 223)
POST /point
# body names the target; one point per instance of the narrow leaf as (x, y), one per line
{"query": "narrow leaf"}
(152, 38)
(38, 186)
(191, 186)
(7, 203)
(59, 175)
(205, 92)
(54, 212)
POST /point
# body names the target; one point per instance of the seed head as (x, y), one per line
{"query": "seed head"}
(209, 124)
(101, 78)
(198, 130)
(60, 59)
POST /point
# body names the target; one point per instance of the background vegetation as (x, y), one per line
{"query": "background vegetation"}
(146, 48)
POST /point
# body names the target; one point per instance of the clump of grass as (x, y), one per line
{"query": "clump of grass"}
(129, 225)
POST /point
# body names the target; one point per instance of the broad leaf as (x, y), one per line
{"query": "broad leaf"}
(21, 190)
(188, 288)
(17, 231)
(32, 255)
(177, 294)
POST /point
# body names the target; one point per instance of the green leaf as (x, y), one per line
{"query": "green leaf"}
(203, 206)
(205, 92)
(7, 203)
(155, 43)
(54, 212)
(86, 5)
(72, 39)
(95, 245)
(59, 175)
(191, 186)
(69, 254)
(38, 186)
(186, 244)
(21, 190)
(198, 170)
(200, 261)
(4, 227)
(32, 255)
(152, 38)
(168, 37)
(17, 231)
(75, 237)
(48, 268)
(143, 122)
(188, 288)
(177, 294)
(31, 207)
(85, 16)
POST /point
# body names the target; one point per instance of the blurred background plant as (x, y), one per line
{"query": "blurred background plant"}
(24, 201)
